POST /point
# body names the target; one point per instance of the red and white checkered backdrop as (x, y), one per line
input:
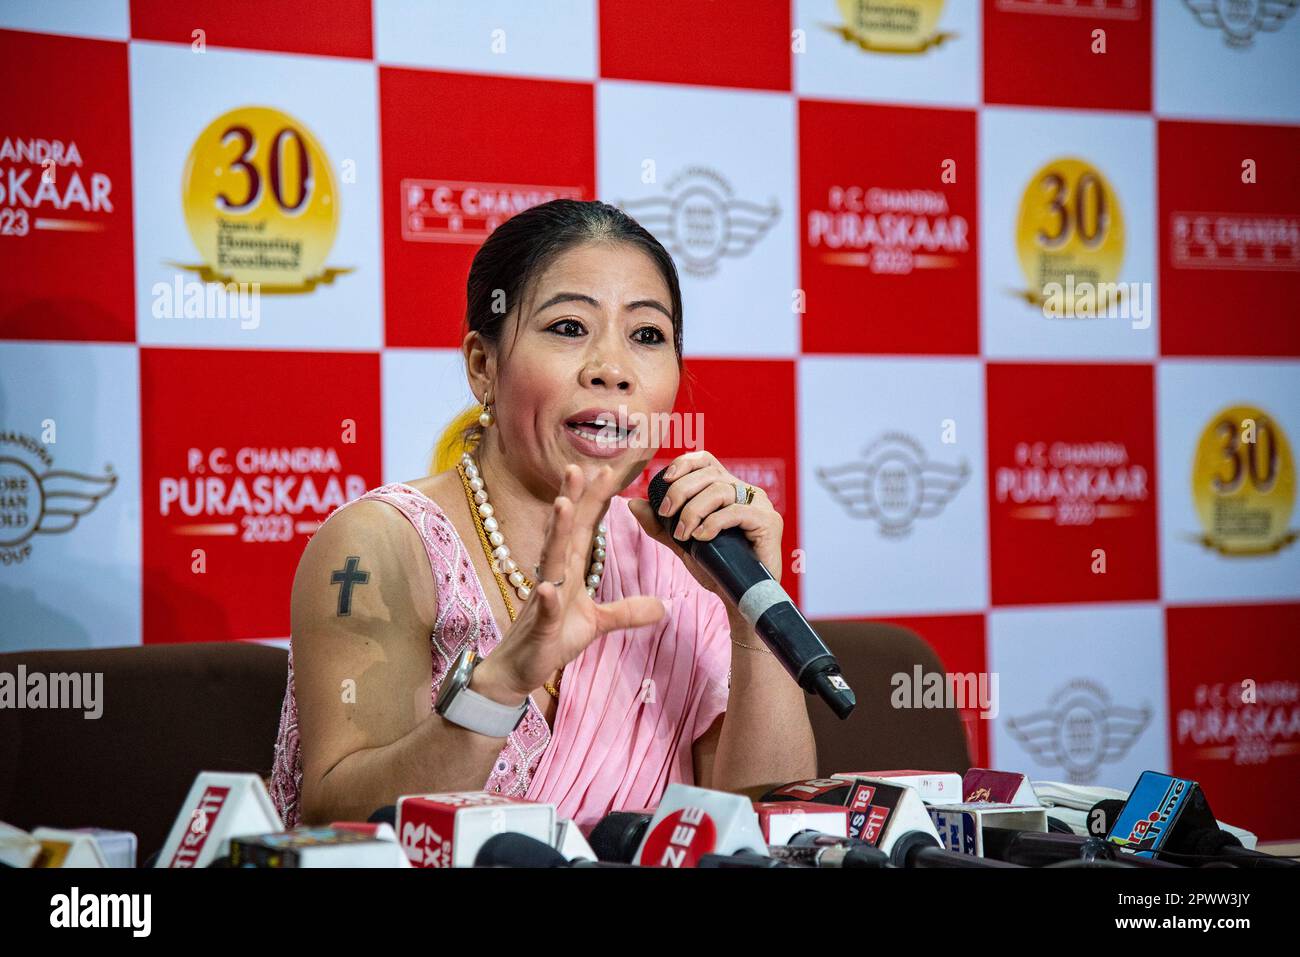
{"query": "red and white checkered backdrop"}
(1085, 489)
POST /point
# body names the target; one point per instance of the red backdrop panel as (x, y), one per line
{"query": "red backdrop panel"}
(271, 424)
(1234, 710)
(66, 245)
(1072, 483)
(327, 27)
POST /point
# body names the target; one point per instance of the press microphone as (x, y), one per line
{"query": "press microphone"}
(1169, 818)
(448, 829)
(219, 806)
(692, 822)
(810, 848)
(878, 812)
(730, 560)
(618, 834)
(1217, 846)
(1042, 849)
(510, 849)
(741, 859)
(917, 849)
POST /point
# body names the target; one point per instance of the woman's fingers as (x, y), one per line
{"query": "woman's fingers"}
(549, 604)
(595, 499)
(688, 462)
(710, 499)
(686, 486)
(558, 540)
(631, 612)
(645, 516)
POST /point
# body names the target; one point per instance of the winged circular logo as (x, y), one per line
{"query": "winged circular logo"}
(42, 500)
(894, 483)
(1240, 20)
(702, 221)
(1080, 730)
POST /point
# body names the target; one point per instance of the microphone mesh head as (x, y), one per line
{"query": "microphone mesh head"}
(509, 849)
(617, 835)
(658, 489)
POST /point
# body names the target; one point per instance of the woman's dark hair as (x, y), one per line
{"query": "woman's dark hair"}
(520, 249)
(518, 252)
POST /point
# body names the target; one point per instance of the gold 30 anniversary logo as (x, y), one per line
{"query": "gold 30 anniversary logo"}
(1243, 483)
(891, 26)
(261, 202)
(1069, 231)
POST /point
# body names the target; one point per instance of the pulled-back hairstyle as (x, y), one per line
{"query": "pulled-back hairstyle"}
(514, 256)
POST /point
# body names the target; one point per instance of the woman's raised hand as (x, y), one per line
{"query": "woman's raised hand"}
(557, 623)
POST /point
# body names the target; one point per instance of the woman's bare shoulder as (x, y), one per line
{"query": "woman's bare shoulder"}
(367, 541)
(381, 517)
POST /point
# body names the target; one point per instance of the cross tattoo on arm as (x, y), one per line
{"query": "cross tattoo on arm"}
(346, 577)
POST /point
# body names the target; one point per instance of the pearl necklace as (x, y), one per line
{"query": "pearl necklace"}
(494, 543)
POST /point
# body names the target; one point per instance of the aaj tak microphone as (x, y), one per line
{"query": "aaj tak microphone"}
(219, 806)
(692, 823)
(729, 558)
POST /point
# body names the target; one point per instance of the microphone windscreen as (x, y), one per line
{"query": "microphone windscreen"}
(385, 815)
(658, 489)
(617, 835)
(1210, 841)
(517, 850)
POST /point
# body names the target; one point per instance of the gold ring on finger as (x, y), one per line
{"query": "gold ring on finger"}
(744, 493)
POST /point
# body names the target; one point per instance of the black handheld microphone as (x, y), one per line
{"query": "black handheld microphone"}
(730, 561)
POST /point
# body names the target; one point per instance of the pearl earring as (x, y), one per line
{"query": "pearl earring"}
(485, 417)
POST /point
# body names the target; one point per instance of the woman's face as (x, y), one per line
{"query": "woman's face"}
(594, 335)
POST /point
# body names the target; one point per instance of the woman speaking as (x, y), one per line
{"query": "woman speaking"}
(511, 623)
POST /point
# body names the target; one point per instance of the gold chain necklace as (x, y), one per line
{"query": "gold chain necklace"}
(597, 567)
